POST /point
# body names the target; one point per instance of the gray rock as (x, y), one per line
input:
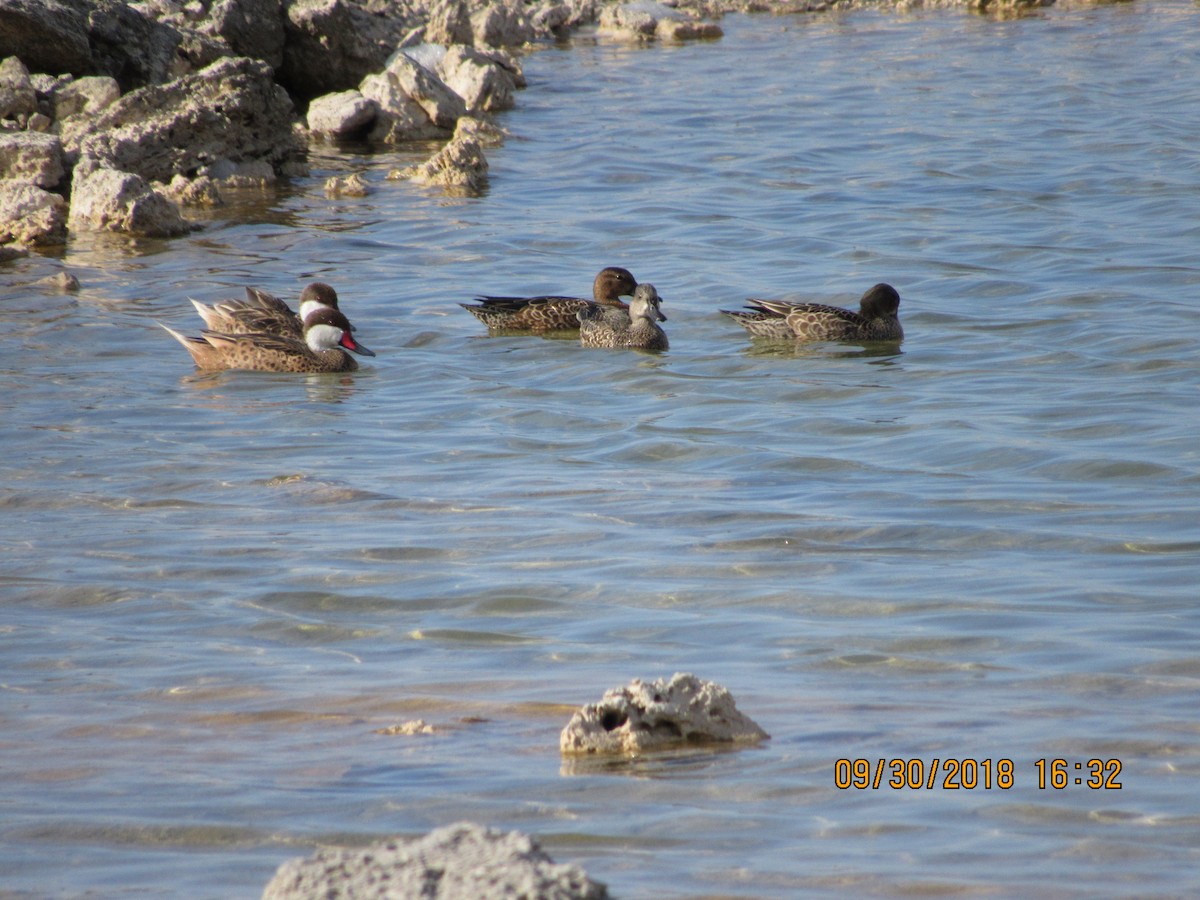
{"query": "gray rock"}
(17, 97)
(504, 24)
(484, 84)
(84, 96)
(30, 216)
(460, 862)
(645, 20)
(48, 35)
(341, 114)
(441, 104)
(231, 110)
(659, 715)
(330, 46)
(125, 43)
(449, 23)
(398, 117)
(104, 199)
(252, 28)
(31, 157)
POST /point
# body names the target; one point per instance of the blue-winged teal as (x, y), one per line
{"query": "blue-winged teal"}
(876, 319)
(542, 314)
(602, 326)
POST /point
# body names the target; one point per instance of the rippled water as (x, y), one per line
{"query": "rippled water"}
(983, 544)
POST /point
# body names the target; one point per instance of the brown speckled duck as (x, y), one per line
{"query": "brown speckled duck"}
(876, 320)
(601, 326)
(541, 314)
(263, 313)
(327, 337)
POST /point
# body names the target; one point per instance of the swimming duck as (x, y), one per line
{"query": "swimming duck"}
(606, 326)
(263, 313)
(327, 337)
(876, 320)
(541, 314)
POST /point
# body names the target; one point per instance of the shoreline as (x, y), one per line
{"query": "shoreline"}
(127, 120)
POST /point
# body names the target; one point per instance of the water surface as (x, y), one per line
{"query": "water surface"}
(980, 544)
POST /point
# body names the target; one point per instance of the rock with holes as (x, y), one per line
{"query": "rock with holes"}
(658, 715)
(459, 862)
(460, 166)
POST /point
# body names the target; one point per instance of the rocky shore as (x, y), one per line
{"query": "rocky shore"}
(121, 117)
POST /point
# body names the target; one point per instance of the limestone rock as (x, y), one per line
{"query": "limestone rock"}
(84, 96)
(125, 43)
(251, 28)
(48, 35)
(641, 717)
(63, 282)
(483, 83)
(341, 114)
(231, 110)
(449, 23)
(459, 166)
(645, 20)
(30, 216)
(31, 157)
(441, 104)
(18, 100)
(352, 185)
(104, 199)
(201, 192)
(459, 862)
(504, 24)
(329, 46)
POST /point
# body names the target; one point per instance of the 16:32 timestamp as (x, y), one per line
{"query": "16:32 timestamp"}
(1098, 774)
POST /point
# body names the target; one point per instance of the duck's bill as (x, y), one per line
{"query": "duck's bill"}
(351, 344)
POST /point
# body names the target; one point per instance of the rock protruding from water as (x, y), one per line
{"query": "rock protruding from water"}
(644, 20)
(659, 715)
(459, 862)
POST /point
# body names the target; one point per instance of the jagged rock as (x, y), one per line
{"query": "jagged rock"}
(232, 110)
(63, 282)
(352, 185)
(449, 23)
(646, 21)
(412, 102)
(31, 157)
(17, 97)
(460, 165)
(504, 24)
(30, 216)
(330, 45)
(254, 174)
(85, 96)
(441, 104)
(251, 28)
(483, 83)
(104, 199)
(459, 862)
(202, 191)
(341, 114)
(48, 35)
(126, 44)
(662, 714)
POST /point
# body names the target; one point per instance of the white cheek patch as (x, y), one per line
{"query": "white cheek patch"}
(323, 337)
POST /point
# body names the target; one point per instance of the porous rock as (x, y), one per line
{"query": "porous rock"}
(104, 199)
(331, 45)
(32, 157)
(126, 43)
(30, 216)
(231, 110)
(412, 102)
(48, 35)
(18, 100)
(504, 24)
(250, 28)
(85, 96)
(341, 114)
(646, 21)
(441, 104)
(464, 861)
(459, 166)
(658, 715)
(484, 84)
(449, 23)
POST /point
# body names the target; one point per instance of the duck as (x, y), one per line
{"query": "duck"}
(877, 318)
(605, 326)
(263, 313)
(537, 315)
(327, 337)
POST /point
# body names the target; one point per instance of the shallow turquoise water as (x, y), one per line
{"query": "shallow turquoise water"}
(983, 544)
